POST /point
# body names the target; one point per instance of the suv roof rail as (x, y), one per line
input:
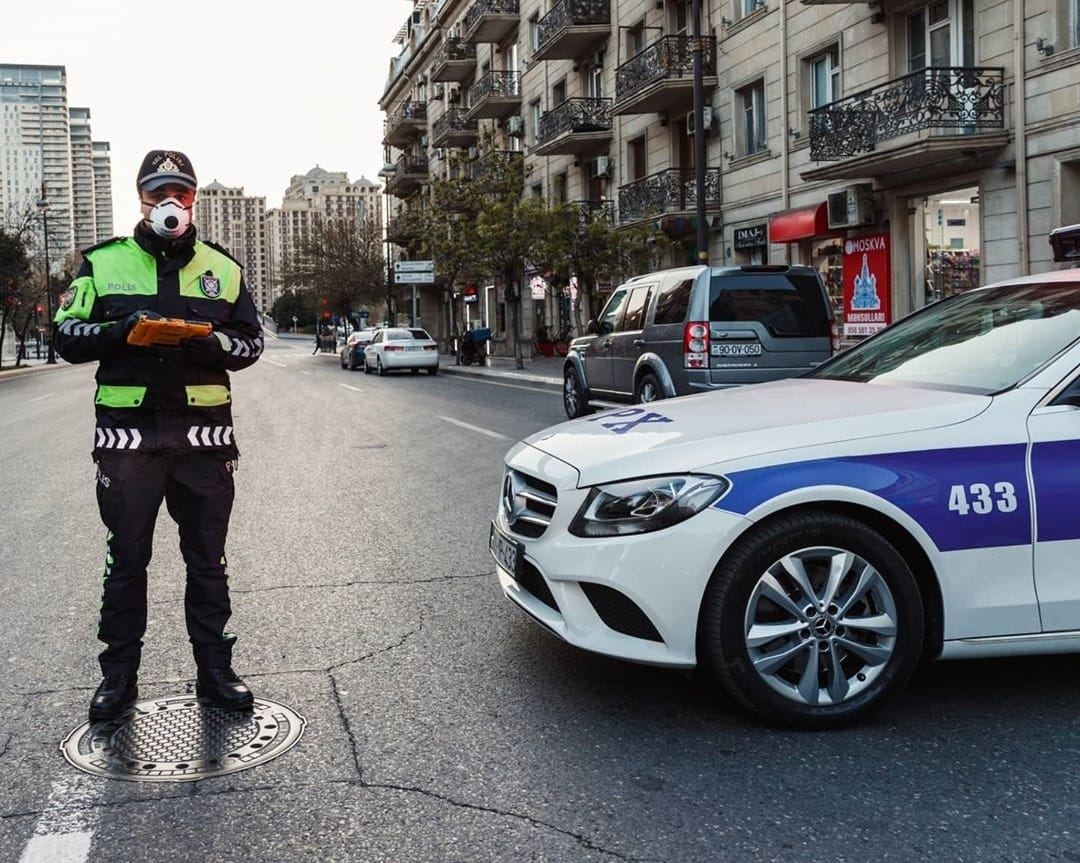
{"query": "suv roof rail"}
(1065, 242)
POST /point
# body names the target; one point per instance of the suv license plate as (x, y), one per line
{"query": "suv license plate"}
(751, 350)
(506, 551)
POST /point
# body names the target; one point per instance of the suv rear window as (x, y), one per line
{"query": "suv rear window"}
(786, 304)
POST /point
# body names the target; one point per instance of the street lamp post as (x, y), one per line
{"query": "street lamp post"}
(43, 205)
(699, 137)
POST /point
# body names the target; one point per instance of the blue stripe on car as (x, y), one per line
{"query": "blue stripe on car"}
(1056, 468)
(919, 483)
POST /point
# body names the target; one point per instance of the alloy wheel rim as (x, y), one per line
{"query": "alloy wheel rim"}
(648, 392)
(820, 626)
(570, 392)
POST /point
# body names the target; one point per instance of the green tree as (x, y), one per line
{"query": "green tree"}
(298, 304)
(21, 290)
(341, 262)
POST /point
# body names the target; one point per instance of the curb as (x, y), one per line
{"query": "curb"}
(535, 381)
(12, 373)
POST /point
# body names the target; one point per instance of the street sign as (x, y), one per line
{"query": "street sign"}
(426, 277)
(414, 266)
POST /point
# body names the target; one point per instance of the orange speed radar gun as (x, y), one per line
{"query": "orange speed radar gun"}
(166, 331)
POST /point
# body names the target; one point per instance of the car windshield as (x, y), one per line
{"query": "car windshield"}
(420, 335)
(983, 341)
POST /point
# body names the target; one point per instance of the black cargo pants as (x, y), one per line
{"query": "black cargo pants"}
(197, 488)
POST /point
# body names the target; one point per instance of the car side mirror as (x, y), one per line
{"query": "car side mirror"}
(592, 328)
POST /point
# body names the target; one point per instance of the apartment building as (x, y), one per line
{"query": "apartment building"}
(310, 197)
(47, 146)
(225, 215)
(931, 144)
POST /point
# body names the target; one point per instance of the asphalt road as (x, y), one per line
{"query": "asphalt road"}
(442, 725)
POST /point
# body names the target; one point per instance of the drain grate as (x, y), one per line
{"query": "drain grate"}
(182, 739)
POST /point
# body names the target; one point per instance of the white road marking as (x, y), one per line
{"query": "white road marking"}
(65, 829)
(354, 389)
(275, 363)
(477, 429)
(305, 373)
(42, 398)
(478, 379)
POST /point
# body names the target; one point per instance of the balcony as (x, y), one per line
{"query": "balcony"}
(496, 165)
(577, 127)
(572, 29)
(492, 20)
(495, 96)
(940, 120)
(669, 192)
(661, 78)
(410, 174)
(455, 61)
(453, 129)
(404, 123)
(594, 211)
(403, 229)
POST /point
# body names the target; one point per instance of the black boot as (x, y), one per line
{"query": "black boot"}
(223, 688)
(115, 694)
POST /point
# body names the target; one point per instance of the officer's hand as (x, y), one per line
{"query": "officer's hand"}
(207, 351)
(122, 328)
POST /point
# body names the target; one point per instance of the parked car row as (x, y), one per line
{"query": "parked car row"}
(384, 349)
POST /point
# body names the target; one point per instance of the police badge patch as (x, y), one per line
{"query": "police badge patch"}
(210, 286)
(67, 299)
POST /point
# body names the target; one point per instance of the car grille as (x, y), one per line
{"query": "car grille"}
(528, 503)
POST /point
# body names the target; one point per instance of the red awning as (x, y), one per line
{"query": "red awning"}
(806, 223)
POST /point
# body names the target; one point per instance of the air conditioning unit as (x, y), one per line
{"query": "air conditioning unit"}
(597, 59)
(852, 207)
(707, 120)
(603, 166)
(515, 126)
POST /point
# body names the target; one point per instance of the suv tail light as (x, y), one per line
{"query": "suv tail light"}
(834, 336)
(696, 345)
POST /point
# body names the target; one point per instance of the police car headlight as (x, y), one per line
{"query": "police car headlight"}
(644, 505)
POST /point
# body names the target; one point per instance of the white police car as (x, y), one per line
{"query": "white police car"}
(809, 540)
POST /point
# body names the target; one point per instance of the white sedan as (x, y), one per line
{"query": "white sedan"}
(401, 348)
(809, 541)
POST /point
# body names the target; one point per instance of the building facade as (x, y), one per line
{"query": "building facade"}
(310, 197)
(237, 222)
(930, 144)
(47, 154)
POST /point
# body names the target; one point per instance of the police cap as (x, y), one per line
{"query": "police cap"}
(160, 167)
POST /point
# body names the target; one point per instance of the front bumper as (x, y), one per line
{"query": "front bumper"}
(664, 573)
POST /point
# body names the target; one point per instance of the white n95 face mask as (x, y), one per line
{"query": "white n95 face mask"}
(170, 218)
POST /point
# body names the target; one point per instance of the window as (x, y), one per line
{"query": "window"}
(824, 78)
(534, 123)
(673, 302)
(534, 33)
(634, 319)
(635, 39)
(558, 93)
(1074, 24)
(635, 158)
(558, 188)
(745, 7)
(750, 102)
(609, 317)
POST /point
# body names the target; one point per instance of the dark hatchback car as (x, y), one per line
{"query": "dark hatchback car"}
(696, 329)
(352, 354)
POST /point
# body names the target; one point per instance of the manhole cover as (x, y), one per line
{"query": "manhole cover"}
(182, 739)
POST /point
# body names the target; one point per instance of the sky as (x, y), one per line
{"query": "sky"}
(251, 95)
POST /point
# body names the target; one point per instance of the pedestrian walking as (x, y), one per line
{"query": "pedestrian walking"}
(318, 341)
(164, 422)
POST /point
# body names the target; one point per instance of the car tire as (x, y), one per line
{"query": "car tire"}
(647, 389)
(434, 370)
(575, 399)
(343, 362)
(379, 367)
(352, 363)
(367, 368)
(756, 588)
(414, 371)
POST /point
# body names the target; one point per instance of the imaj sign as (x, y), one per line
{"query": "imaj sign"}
(867, 294)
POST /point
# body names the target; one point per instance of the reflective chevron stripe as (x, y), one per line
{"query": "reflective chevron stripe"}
(210, 435)
(74, 327)
(105, 438)
(247, 348)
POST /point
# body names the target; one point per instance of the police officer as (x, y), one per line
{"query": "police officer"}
(164, 423)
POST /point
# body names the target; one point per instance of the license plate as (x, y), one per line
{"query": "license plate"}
(749, 350)
(413, 348)
(506, 551)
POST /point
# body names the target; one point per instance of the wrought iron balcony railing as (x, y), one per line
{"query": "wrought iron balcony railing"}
(497, 164)
(403, 229)
(405, 112)
(666, 58)
(412, 166)
(670, 191)
(482, 8)
(955, 101)
(455, 50)
(575, 115)
(591, 211)
(453, 124)
(571, 13)
(495, 85)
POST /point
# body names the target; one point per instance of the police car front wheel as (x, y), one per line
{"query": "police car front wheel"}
(813, 620)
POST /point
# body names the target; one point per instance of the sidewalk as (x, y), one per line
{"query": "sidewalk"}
(539, 371)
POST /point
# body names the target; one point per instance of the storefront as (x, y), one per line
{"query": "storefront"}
(751, 244)
(811, 242)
